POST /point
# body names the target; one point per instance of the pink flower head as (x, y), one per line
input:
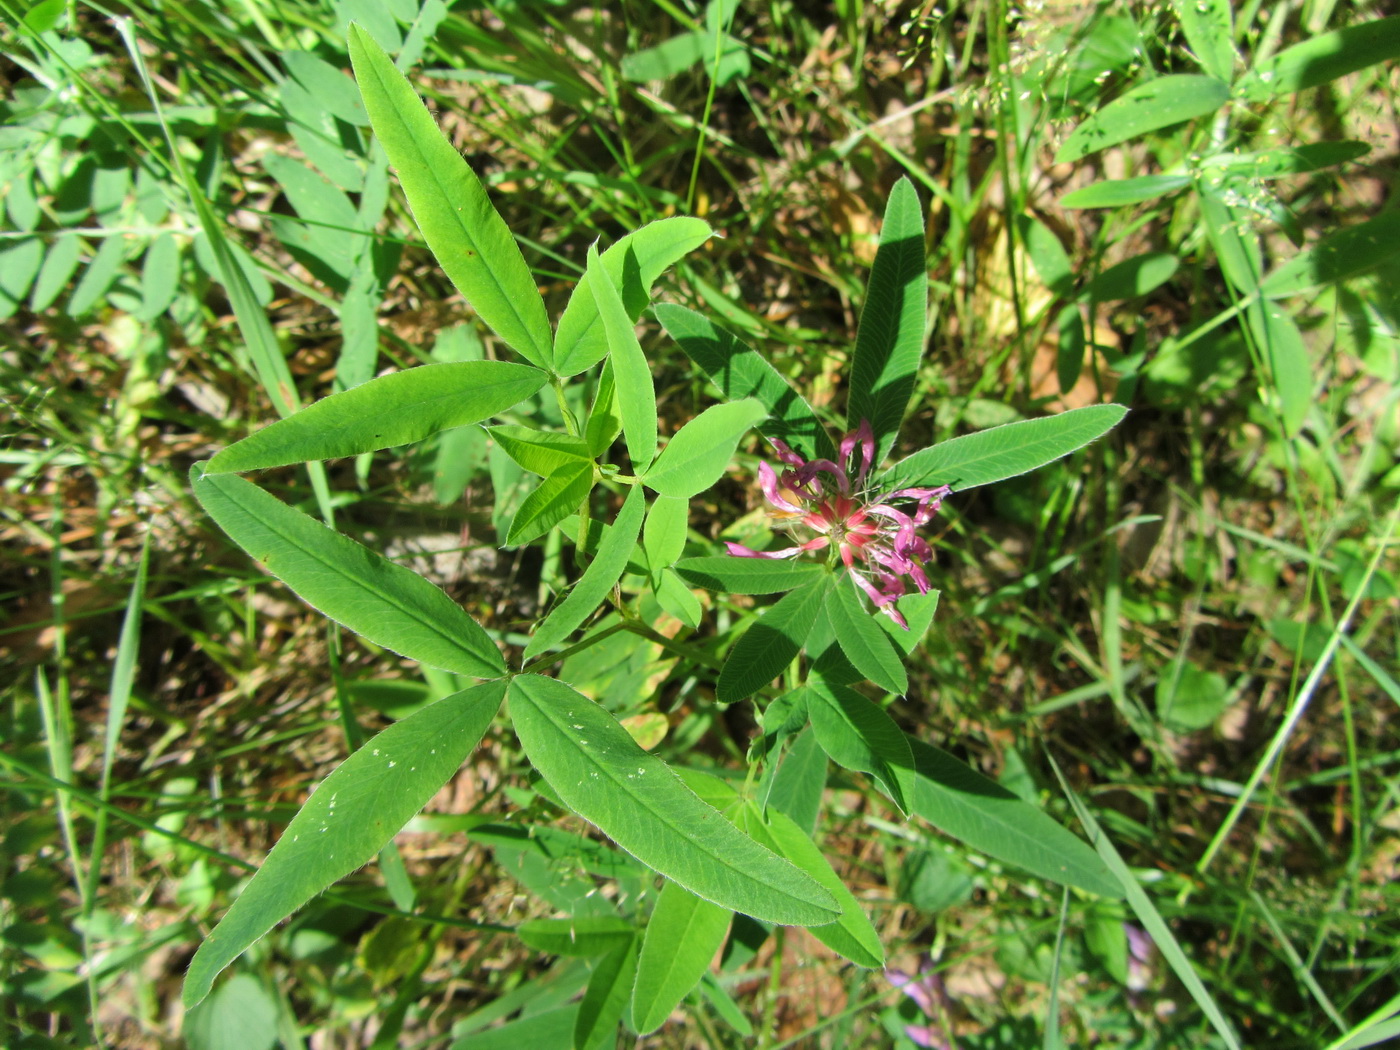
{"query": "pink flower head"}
(877, 542)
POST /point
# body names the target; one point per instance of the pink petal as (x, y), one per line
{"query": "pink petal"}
(785, 454)
(768, 482)
(738, 550)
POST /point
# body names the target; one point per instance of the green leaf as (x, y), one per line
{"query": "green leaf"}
(917, 610)
(1131, 278)
(676, 598)
(772, 643)
(239, 1015)
(593, 586)
(800, 781)
(1290, 369)
(160, 277)
(890, 340)
(541, 452)
(327, 85)
(578, 935)
(1148, 107)
(747, 575)
(1339, 255)
(1191, 699)
(633, 264)
(1047, 254)
(663, 535)
(857, 734)
(396, 409)
(1319, 59)
(604, 421)
(636, 800)
(1069, 346)
(354, 813)
(60, 262)
(867, 647)
(739, 371)
(1114, 193)
(466, 234)
(390, 605)
(555, 498)
(1210, 35)
(1003, 452)
(1283, 161)
(605, 1001)
(852, 935)
(697, 456)
(683, 935)
(958, 800)
(636, 390)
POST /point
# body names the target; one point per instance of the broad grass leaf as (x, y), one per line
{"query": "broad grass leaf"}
(1157, 104)
(723, 572)
(1319, 59)
(890, 339)
(852, 935)
(392, 410)
(577, 935)
(773, 642)
(350, 817)
(541, 452)
(696, 457)
(1339, 255)
(549, 503)
(857, 734)
(471, 241)
(1114, 193)
(633, 263)
(1003, 452)
(605, 1001)
(682, 937)
(1290, 369)
(593, 586)
(1282, 161)
(960, 801)
(636, 800)
(867, 647)
(739, 371)
(390, 605)
(1132, 278)
(1210, 34)
(636, 390)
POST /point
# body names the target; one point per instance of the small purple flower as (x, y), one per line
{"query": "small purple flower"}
(876, 541)
(931, 998)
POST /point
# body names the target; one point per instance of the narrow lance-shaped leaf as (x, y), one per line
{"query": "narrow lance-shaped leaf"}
(663, 535)
(747, 575)
(683, 935)
(852, 935)
(636, 800)
(634, 263)
(890, 340)
(1342, 253)
(772, 643)
(697, 456)
(605, 1000)
(958, 800)
(1210, 35)
(556, 497)
(396, 409)
(541, 452)
(348, 819)
(593, 586)
(578, 935)
(739, 371)
(857, 734)
(1003, 452)
(390, 605)
(636, 390)
(1157, 104)
(867, 647)
(465, 232)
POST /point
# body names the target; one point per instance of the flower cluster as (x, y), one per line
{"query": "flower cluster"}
(876, 541)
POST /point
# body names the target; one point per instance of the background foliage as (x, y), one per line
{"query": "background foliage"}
(1191, 625)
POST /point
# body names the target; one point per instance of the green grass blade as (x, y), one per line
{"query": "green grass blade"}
(465, 232)
(390, 605)
(636, 800)
(1157, 104)
(890, 340)
(354, 813)
(392, 410)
